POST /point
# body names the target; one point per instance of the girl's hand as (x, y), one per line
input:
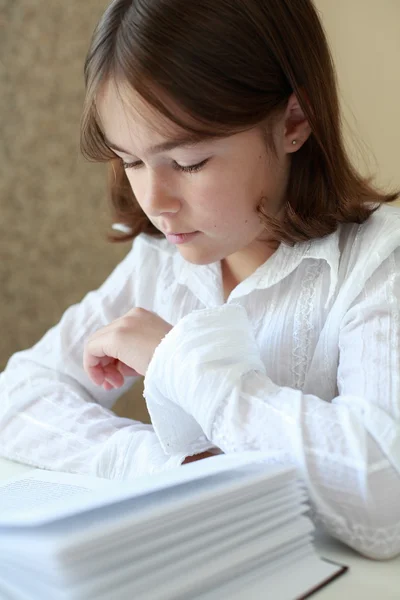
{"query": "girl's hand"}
(124, 348)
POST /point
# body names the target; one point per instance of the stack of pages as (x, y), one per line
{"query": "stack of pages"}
(228, 527)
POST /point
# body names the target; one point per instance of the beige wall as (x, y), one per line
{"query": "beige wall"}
(365, 40)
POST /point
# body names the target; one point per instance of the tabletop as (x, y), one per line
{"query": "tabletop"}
(365, 580)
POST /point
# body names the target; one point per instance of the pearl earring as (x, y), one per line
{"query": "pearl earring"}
(294, 142)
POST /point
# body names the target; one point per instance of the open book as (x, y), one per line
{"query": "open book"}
(227, 527)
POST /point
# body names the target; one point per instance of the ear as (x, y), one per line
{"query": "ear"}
(296, 125)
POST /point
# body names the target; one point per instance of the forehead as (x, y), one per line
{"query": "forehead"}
(125, 118)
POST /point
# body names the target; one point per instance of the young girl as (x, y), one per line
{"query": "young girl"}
(260, 295)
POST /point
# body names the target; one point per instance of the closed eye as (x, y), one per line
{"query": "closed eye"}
(189, 169)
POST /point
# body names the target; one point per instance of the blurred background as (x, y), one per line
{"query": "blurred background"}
(53, 204)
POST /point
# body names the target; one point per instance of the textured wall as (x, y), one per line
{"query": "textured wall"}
(53, 208)
(53, 203)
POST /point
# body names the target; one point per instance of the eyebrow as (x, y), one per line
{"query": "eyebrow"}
(163, 146)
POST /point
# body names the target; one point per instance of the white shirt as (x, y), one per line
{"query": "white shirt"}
(302, 362)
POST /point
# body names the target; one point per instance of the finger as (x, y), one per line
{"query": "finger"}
(99, 350)
(107, 360)
(113, 376)
(96, 374)
(126, 370)
(105, 365)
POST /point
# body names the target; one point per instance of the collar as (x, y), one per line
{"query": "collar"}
(205, 281)
(287, 258)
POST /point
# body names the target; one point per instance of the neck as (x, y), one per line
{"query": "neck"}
(239, 266)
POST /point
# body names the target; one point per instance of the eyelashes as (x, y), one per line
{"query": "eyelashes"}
(176, 166)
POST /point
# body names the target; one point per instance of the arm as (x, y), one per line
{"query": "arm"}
(347, 451)
(53, 417)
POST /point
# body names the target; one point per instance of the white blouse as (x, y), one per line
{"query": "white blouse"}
(302, 362)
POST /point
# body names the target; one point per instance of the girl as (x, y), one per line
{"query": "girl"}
(260, 296)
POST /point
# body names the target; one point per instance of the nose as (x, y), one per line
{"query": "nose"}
(159, 197)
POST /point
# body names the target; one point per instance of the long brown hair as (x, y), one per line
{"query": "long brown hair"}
(231, 65)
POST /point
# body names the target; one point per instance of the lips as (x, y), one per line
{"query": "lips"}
(179, 233)
(181, 238)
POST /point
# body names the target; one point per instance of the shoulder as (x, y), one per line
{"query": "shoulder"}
(363, 249)
(354, 252)
(367, 245)
(353, 246)
(381, 229)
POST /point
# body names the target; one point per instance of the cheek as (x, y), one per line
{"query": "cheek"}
(216, 191)
(228, 199)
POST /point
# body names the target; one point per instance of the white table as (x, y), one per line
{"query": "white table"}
(366, 579)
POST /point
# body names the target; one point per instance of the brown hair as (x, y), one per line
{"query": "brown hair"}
(231, 65)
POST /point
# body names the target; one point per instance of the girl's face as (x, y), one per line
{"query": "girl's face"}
(211, 188)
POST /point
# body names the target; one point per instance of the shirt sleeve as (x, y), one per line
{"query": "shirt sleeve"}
(53, 417)
(347, 450)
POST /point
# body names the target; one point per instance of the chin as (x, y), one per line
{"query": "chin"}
(198, 257)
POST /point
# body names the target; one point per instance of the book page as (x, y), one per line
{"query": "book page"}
(32, 491)
(45, 496)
